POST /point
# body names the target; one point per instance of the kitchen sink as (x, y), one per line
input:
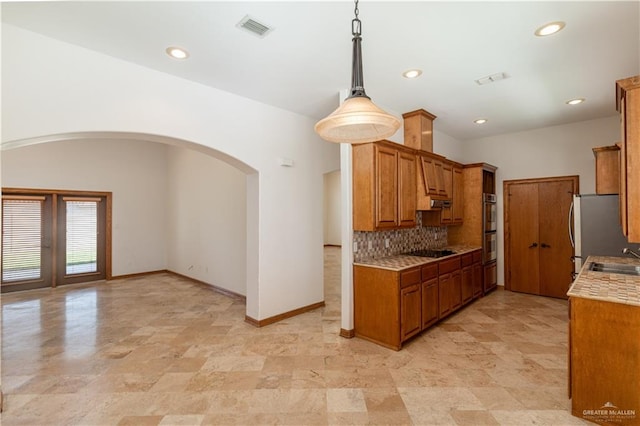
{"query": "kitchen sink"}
(615, 268)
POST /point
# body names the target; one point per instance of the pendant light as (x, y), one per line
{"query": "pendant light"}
(358, 119)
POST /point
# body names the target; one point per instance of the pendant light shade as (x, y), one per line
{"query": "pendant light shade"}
(358, 119)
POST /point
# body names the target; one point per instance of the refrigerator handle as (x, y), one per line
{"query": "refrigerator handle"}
(573, 243)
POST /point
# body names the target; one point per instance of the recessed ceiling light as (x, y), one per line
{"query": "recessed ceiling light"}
(575, 101)
(415, 73)
(550, 28)
(480, 121)
(177, 52)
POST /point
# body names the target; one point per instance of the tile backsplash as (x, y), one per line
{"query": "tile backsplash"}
(399, 240)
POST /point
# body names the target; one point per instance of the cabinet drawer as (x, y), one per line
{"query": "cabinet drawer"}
(449, 265)
(429, 271)
(477, 256)
(466, 259)
(410, 277)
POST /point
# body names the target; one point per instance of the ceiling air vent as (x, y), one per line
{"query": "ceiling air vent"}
(254, 27)
(491, 78)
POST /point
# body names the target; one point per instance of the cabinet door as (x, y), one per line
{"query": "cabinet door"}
(428, 172)
(477, 279)
(446, 215)
(467, 284)
(406, 189)
(439, 171)
(386, 175)
(490, 277)
(632, 162)
(444, 295)
(456, 290)
(457, 200)
(410, 309)
(429, 302)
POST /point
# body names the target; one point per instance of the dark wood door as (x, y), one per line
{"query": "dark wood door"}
(555, 248)
(537, 246)
(524, 264)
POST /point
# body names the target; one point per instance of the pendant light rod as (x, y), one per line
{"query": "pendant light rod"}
(357, 78)
(357, 119)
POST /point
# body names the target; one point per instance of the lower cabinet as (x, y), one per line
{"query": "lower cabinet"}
(604, 365)
(478, 277)
(391, 307)
(466, 261)
(450, 286)
(410, 304)
(430, 302)
(490, 277)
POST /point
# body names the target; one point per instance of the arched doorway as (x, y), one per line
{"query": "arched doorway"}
(138, 168)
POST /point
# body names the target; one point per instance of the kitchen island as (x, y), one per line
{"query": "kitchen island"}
(604, 343)
(397, 297)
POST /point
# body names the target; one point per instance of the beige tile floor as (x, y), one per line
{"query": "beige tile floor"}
(161, 350)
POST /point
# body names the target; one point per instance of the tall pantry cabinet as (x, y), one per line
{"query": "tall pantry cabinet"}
(478, 179)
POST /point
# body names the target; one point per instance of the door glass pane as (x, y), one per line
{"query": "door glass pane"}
(82, 241)
(21, 240)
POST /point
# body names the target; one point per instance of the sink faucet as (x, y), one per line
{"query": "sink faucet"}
(631, 252)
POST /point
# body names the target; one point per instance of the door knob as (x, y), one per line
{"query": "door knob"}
(533, 245)
(543, 245)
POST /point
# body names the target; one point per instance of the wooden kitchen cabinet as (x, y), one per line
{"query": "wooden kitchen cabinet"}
(466, 261)
(449, 286)
(604, 361)
(430, 310)
(628, 105)
(390, 307)
(384, 186)
(478, 274)
(607, 169)
(451, 214)
(411, 304)
(429, 180)
(457, 198)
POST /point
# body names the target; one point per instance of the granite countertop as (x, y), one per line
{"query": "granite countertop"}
(605, 286)
(400, 262)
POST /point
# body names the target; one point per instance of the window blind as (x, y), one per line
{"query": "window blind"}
(82, 236)
(21, 238)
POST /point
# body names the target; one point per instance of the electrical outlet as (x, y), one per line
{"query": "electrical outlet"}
(370, 245)
(355, 246)
(386, 243)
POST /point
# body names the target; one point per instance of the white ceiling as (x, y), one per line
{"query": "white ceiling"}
(303, 64)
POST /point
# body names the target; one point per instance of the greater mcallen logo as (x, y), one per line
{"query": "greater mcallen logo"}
(610, 413)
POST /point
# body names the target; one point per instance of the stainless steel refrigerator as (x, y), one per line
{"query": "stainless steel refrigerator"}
(596, 228)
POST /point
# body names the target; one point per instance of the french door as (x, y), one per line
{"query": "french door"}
(52, 238)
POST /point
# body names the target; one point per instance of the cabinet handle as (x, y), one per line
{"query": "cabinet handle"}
(543, 245)
(533, 245)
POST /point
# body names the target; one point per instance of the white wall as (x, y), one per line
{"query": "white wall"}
(134, 171)
(59, 89)
(206, 209)
(332, 206)
(551, 151)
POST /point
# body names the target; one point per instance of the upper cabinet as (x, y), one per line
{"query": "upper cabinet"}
(607, 169)
(451, 213)
(628, 105)
(430, 180)
(384, 186)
